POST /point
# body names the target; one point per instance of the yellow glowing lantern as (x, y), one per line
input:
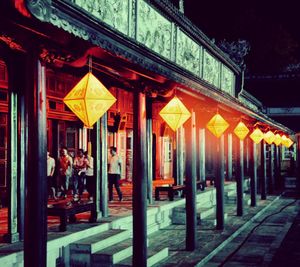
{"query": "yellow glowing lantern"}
(89, 99)
(217, 125)
(257, 135)
(288, 142)
(241, 130)
(175, 113)
(277, 140)
(269, 137)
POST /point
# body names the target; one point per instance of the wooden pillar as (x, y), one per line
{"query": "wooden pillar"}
(271, 170)
(22, 163)
(248, 156)
(12, 164)
(149, 149)
(191, 213)
(35, 240)
(253, 173)
(240, 179)
(277, 162)
(229, 156)
(220, 183)
(202, 154)
(103, 182)
(263, 170)
(97, 156)
(139, 181)
(179, 156)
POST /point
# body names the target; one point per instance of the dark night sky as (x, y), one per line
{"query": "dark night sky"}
(271, 27)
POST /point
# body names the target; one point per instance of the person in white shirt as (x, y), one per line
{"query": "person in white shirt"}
(50, 179)
(114, 173)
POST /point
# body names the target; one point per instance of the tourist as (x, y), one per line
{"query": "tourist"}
(65, 171)
(114, 173)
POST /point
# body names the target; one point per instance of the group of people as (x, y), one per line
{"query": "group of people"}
(71, 175)
(78, 175)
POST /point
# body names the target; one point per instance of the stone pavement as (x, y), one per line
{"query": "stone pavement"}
(214, 246)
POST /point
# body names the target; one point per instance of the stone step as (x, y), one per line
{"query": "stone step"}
(100, 241)
(113, 254)
(82, 250)
(179, 214)
(211, 220)
(232, 199)
(154, 257)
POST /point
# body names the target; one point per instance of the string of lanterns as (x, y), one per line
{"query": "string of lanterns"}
(89, 100)
(176, 114)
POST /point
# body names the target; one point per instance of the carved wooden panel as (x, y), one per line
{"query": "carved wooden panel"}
(188, 53)
(211, 69)
(153, 30)
(227, 80)
(112, 12)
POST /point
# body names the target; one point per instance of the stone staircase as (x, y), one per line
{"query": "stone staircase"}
(112, 247)
(206, 206)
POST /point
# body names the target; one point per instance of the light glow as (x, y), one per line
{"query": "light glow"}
(217, 125)
(89, 99)
(175, 113)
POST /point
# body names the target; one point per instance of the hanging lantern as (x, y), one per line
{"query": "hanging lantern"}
(241, 130)
(257, 135)
(277, 140)
(89, 99)
(288, 142)
(269, 137)
(217, 125)
(175, 113)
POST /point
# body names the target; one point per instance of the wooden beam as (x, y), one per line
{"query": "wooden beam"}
(202, 154)
(179, 156)
(12, 163)
(191, 215)
(220, 183)
(149, 148)
(103, 166)
(139, 202)
(229, 156)
(253, 173)
(263, 170)
(271, 170)
(35, 240)
(240, 179)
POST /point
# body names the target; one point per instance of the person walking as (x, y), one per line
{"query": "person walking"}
(65, 171)
(50, 176)
(80, 162)
(114, 173)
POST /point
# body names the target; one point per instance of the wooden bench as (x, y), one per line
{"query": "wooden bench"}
(69, 210)
(170, 189)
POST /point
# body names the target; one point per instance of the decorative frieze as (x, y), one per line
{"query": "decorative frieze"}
(211, 69)
(153, 30)
(188, 53)
(227, 80)
(113, 12)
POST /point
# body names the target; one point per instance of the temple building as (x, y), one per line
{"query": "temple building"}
(178, 102)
